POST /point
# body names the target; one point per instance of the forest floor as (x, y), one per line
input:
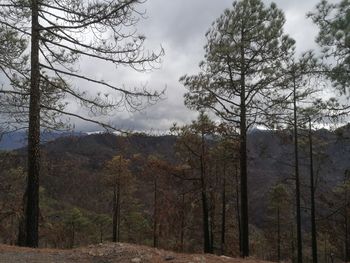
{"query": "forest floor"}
(108, 253)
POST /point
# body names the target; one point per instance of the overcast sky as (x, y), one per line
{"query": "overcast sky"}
(179, 27)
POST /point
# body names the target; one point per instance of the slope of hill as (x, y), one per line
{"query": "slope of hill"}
(73, 169)
(270, 160)
(108, 253)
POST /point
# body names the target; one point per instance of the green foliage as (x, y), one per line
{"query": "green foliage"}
(245, 54)
(333, 21)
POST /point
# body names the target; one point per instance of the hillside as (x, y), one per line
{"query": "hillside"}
(107, 253)
(270, 161)
(75, 196)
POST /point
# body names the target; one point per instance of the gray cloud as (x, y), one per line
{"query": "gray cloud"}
(179, 27)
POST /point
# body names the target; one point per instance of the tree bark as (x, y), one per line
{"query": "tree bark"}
(182, 234)
(278, 235)
(243, 161)
(118, 212)
(115, 213)
(155, 223)
(223, 215)
(238, 214)
(32, 208)
(297, 179)
(313, 207)
(206, 230)
(346, 225)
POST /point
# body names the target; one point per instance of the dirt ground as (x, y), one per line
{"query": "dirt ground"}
(107, 253)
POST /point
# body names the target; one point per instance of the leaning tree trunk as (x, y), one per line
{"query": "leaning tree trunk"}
(297, 179)
(32, 208)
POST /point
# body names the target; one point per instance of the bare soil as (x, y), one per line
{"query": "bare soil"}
(108, 253)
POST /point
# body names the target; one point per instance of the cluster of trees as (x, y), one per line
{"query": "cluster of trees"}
(250, 76)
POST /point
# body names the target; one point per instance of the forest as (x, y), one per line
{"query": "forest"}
(263, 171)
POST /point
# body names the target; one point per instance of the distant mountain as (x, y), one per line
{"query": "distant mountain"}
(18, 140)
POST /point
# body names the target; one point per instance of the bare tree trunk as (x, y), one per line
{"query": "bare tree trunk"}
(115, 213)
(278, 235)
(155, 223)
(238, 214)
(313, 208)
(32, 210)
(118, 212)
(346, 239)
(223, 215)
(293, 246)
(243, 160)
(325, 250)
(206, 230)
(182, 223)
(211, 224)
(73, 236)
(346, 225)
(297, 179)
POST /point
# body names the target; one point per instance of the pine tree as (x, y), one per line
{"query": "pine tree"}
(194, 147)
(333, 22)
(243, 59)
(59, 34)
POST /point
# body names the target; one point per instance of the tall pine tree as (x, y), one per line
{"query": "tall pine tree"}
(243, 58)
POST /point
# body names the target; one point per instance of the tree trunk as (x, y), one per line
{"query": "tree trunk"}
(73, 235)
(293, 246)
(32, 209)
(118, 212)
(206, 230)
(243, 162)
(155, 238)
(346, 239)
(182, 234)
(223, 215)
(115, 213)
(278, 235)
(211, 225)
(325, 250)
(297, 179)
(238, 214)
(346, 230)
(313, 208)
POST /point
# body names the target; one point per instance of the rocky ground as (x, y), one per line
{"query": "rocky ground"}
(107, 253)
